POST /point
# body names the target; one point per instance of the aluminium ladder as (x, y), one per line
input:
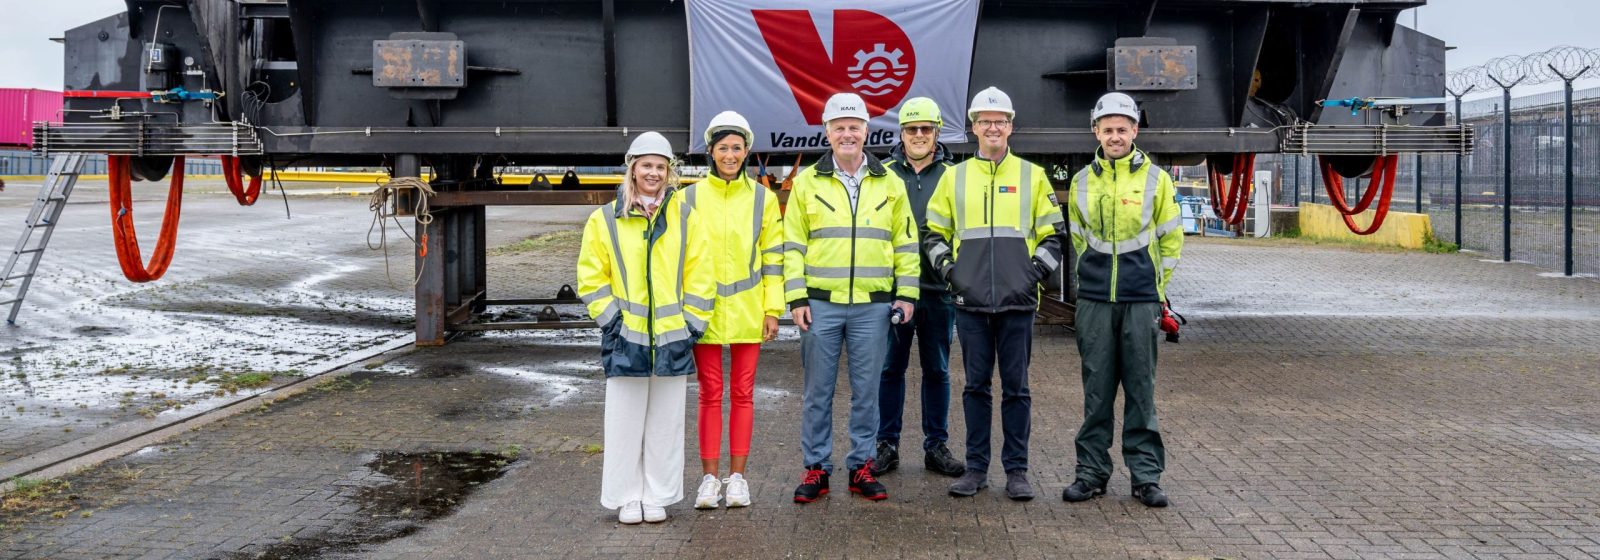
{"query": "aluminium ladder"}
(41, 223)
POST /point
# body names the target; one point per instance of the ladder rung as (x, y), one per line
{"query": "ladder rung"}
(9, 302)
(33, 250)
(10, 278)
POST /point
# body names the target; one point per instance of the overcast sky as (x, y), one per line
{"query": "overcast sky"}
(1479, 29)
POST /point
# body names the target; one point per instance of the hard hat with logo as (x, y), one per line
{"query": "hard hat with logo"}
(650, 143)
(730, 120)
(919, 109)
(1114, 103)
(990, 99)
(844, 105)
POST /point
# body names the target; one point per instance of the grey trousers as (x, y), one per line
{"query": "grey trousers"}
(1117, 342)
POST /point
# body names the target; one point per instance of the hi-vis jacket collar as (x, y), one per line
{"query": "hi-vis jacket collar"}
(1100, 161)
(619, 211)
(874, 167)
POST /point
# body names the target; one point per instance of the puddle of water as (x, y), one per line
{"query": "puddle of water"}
(418, 487)
(561, 388)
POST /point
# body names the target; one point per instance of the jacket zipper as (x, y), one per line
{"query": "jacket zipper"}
(852, 284)
(994, 170)
(1112, 234)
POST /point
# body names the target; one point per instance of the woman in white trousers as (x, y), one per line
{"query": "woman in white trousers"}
(643, 276)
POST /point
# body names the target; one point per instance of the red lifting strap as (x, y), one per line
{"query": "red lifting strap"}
(230, 173)
(127, 241)
(1231, 200)
(1383, 174)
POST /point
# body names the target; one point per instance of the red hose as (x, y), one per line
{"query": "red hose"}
(1383, 175)
(1230, 201)
(230, 173)
(127, 241)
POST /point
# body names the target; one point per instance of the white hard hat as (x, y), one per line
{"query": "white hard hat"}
(650, 143)
(844, 105)
(730, 120)
(990, 99)
(1114, 103)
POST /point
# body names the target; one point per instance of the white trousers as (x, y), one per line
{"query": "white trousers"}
(644, 441)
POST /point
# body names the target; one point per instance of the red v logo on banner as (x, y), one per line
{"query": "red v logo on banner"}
(872, 57)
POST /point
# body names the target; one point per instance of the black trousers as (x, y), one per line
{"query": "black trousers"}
(988, 338)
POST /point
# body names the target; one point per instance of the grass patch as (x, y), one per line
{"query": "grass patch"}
(30, 496)
(592, 448)
(1433, 244)
(539, 243)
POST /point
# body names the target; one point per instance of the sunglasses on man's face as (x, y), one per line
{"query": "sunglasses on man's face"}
(918, 130)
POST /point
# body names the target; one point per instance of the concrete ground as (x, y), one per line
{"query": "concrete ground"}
(1326, 402)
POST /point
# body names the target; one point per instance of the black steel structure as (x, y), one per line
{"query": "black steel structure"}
(464, 86)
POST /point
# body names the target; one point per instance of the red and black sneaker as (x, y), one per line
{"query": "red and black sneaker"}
(813, 486)
(862, 482)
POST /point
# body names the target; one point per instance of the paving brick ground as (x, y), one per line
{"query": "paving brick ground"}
(1326, 402)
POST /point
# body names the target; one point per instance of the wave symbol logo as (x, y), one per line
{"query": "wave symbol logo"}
(878, 72)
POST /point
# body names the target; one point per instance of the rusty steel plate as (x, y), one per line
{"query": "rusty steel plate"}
(1155, 67)
(415, 63)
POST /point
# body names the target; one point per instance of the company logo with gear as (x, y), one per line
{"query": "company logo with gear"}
(872, 56)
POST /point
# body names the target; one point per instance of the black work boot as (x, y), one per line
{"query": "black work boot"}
(862, 482)
(813, 486)
(940, 460)
(1081, 491)
(888, 458)
(1150, 495)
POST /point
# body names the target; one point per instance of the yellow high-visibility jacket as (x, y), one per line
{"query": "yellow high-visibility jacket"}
(745, 234)
(842, 255)
(1115, 209)
(994, 232)
(647, 281)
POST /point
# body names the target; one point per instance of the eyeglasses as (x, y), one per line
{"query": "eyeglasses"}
(918, 130)
(993, 124)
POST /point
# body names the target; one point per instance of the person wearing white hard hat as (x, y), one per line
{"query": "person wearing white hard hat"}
(643, 272)
(920, 160)
(850, 264)
(1128, 233)
(746, 239)
(994, 233)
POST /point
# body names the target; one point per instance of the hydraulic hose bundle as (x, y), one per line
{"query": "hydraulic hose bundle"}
(127, 241)
(1230, 200)
(1380, 188)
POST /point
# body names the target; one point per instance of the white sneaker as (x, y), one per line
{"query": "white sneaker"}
(710, 492)
(655, 514)
(738, 490)
(630, 513)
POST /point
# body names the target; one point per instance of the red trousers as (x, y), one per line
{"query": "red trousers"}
(741, 418)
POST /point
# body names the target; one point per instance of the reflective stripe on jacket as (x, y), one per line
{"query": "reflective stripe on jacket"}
(745, 233)
(840, 254)
(648, 285)
(1116, 209)
(994, 231)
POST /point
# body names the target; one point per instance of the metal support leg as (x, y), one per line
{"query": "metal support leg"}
(480, 256)
(430, 263)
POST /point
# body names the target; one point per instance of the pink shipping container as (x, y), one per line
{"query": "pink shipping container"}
(19, 108)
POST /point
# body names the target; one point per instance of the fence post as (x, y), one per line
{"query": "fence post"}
(1505, 165)
(1566, 167)
(1297, 180)
(1417, 169)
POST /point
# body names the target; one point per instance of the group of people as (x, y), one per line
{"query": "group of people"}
(870, 254)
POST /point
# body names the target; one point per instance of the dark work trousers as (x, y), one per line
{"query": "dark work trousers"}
(931, 324)
(986, 338)
(1118, 344)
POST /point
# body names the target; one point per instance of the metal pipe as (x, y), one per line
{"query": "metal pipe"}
(1505, 173)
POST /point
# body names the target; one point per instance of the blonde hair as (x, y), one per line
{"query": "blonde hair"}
(630, 193)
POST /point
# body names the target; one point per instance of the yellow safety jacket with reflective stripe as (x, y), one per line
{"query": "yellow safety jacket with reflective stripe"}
(647, 282)
(1126, 227)
(745, 233)
(994, 233)
(840, 254)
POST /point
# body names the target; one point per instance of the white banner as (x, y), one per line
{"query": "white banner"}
(777, 61)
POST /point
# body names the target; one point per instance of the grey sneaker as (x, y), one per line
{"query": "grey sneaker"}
(1017, 486)
(969, 484)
